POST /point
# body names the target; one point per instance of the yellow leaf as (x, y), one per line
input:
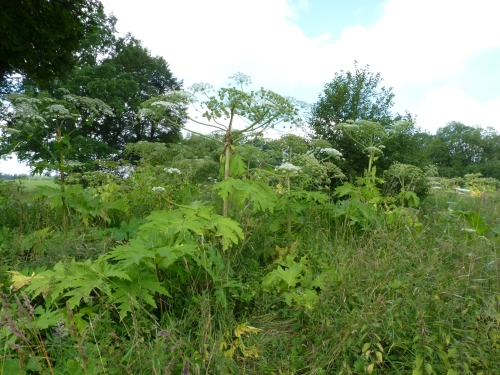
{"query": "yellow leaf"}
(380, 357)
(370, 367)
(380, 347)
(19, 280)
(365, 347)
(252, 352)
(229, 353)
(243, 329)
(223, 345)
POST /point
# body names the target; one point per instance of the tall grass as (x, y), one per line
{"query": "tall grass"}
(419, 295)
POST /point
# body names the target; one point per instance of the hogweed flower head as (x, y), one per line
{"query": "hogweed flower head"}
(331, 152)
(288, 167)
(172, 170)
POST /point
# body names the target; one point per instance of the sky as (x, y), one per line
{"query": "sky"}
(442, 57)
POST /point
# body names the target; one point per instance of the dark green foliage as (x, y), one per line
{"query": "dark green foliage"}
(125, 78)
(458, 149)
(39, 38)
(404, 177)
(356, 96)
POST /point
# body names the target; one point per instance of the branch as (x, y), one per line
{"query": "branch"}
(203, 135)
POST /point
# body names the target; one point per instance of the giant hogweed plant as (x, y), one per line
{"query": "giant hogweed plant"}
(45, 124)
(230, 110)
(365, 194)
(172, 247)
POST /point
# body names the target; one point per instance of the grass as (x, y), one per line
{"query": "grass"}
(414, 296)
(31, 184)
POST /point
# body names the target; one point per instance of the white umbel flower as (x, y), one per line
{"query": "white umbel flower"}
(172, 170)
(331, 152)
(288, 167)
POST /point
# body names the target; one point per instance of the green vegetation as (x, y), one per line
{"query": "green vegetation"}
(229, 253)
(141, 275)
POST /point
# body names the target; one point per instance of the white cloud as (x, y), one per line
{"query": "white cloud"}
(427, 39)
(208, 40)
(12, 166)
(451, 104)
(413, 41)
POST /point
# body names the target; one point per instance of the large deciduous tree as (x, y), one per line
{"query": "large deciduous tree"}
(128, 76)
(359, 96)
(39, 38)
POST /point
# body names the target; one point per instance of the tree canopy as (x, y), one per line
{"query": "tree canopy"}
(358, 96)
(39, 38)
(458, 149)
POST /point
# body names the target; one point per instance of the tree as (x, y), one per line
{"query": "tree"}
(39, 38)
(354, 97)
(458, 149)
(124, 79)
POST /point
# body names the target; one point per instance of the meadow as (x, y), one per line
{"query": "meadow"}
(142, 275)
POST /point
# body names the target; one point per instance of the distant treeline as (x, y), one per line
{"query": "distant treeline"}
(5, 176)
(12, 176)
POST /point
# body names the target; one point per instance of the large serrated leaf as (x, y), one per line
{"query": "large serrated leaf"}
(260, 195)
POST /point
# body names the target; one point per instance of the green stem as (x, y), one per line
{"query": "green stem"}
(227, 146)
(289, 214)
(61, 174)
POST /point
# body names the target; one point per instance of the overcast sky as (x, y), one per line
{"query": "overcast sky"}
(442, 57)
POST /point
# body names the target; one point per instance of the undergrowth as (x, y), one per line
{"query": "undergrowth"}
(142, 275)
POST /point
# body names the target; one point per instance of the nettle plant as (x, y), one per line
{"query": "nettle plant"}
(232, 111)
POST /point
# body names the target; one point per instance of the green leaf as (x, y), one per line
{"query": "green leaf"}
(10, 366)
(474, 220)
(419, 360)
(47, 318)
(346, 189)
(73, 367)
(260, 195)
(291, 276)
(185, 222)
(237, 166)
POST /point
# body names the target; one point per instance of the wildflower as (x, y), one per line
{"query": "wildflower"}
(172, 170)
(145, 112)
(264, 102)
(288, 167)
(331, 152)
(164, 104)
(58, 110)
(158, 188)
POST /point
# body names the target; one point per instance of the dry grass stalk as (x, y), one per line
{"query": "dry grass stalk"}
(185, 370)
(5, 301)
(16, 347)
(28, 304)
(168, 369)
